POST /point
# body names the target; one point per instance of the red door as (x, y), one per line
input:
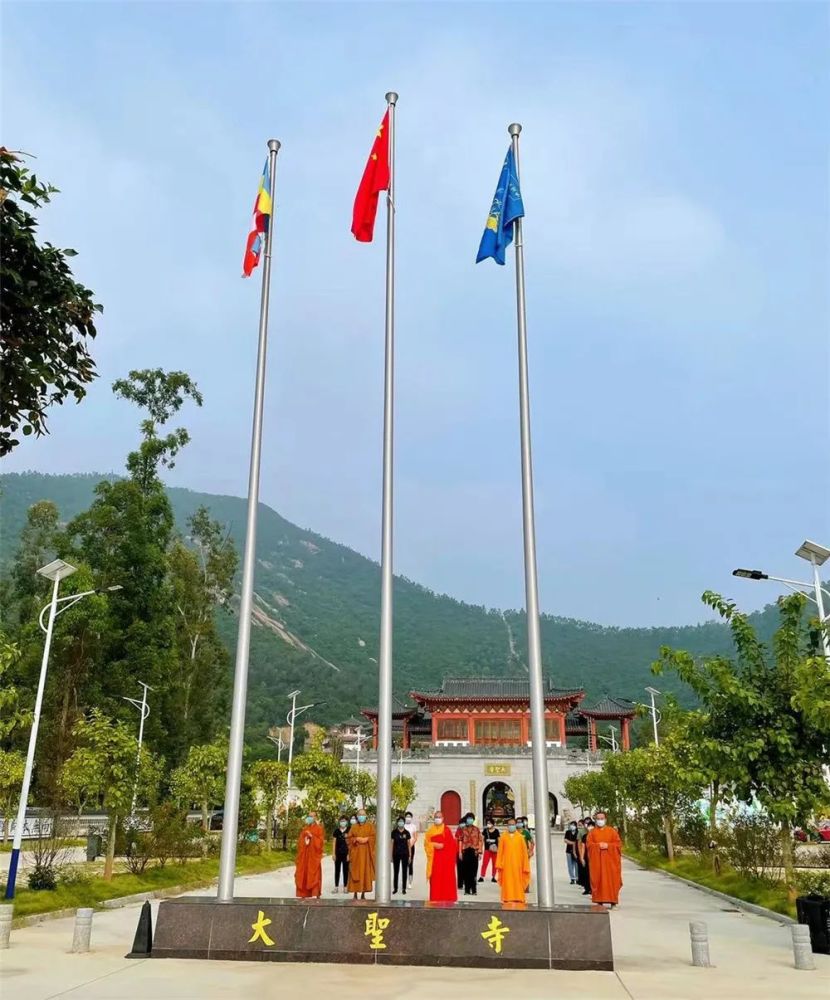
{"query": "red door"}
(451, 808)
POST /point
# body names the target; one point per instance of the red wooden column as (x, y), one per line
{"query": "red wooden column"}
(562, 737)
(471, 730)
(625, 733)
(592, 734)
(406, 734)
(374, 734)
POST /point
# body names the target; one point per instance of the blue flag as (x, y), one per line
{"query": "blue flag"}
(506, 208)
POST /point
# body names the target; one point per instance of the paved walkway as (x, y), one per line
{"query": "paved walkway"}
(752, 956)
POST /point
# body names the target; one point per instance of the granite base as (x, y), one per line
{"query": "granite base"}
(400, 933)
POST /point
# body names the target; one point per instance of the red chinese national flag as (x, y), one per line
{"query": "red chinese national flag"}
(375, 179)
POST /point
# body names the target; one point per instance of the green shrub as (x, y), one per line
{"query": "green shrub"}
(815, 883)
(43, 876)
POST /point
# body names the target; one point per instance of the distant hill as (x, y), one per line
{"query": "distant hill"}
(317, 609)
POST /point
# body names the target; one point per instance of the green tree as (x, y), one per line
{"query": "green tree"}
(12, 764)
(201, 778)
(201, 575)
(768, 749)
(270, 780)
(125, 537)
(103, 768)
(403, 793)
(47, 318)
(12, 715)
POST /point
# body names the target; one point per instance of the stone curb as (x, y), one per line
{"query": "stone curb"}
(741, 904)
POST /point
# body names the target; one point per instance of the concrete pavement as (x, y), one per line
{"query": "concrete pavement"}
(752, 956)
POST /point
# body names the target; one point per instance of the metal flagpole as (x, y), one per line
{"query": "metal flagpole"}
(227, 857)
(541, 802)
(384, 812)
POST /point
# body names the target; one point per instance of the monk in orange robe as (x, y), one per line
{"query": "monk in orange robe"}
(604, 849)
(512, 865)
(361, 841)
(308, 875)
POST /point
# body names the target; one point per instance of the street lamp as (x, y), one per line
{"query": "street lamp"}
(55, 571)
(144, 709)
(292, 715)
(611, 739)
(653, 691)
(816, 555)
(278, 743)
(359, 739)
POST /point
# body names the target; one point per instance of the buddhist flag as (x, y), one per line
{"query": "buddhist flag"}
(259, 223)
(375, 179)
(506, 208)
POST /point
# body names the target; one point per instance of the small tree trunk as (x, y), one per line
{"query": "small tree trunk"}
(667, 829)
(713, 807)
(789, 860)
(269, 824)
(110, 859)
(624, 820)
(5, 829)
(205, 821)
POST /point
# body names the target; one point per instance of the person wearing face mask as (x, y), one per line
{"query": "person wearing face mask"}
(340, 853)
(400, 854)
(308, 875)
(361, 841)
(571, 842)
(604, 848)
(584, 876)
(470, 847)
(441, 852)
(512, 865)
(412, 827)
(491, 847)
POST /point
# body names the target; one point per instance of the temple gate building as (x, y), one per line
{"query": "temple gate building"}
(468, 746)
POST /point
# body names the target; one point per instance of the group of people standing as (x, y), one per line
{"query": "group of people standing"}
(458, 860)
(593, 851)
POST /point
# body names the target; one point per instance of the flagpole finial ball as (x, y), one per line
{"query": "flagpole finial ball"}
(274, 145)
(391, 97)
(514, 129)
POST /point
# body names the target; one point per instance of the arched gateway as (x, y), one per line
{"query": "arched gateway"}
(498, 801)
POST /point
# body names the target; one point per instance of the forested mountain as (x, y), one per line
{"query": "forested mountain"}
(317, 607)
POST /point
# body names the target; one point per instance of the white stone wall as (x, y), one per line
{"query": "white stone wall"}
(467, 774)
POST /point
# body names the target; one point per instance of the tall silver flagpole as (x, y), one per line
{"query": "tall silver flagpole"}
(384, 815)
(541, 802)
(227, 857)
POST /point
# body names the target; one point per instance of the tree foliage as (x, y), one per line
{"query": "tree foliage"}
(755, 726)
(201, 778)
(47, 318)
(106, 768)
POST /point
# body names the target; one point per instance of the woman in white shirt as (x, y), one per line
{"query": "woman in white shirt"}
(412, 827)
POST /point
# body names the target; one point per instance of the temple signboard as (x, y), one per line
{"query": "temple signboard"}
(497, 770)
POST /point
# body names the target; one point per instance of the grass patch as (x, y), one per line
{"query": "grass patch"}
(695, 869)
(193, 875)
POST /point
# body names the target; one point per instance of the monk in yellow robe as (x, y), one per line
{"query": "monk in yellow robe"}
(308, 875)
(361, 841)
(604, 849)
(512, 865)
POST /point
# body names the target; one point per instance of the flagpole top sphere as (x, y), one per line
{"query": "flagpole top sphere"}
(274, 145)
(391, 97)
(514, 129)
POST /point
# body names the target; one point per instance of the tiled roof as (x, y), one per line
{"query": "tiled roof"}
(611, 707)
(494, 688)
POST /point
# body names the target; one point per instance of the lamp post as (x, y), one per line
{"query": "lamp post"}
(55, 571)
(611, 739)
(816, 555)
(359, 738)
(278, 743)
(290, 718)
(144, 711)
(653, 691)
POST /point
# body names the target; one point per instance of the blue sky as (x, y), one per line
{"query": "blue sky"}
(674, 174)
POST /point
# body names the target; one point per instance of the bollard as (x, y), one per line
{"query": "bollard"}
(6, 910)
(802, 948)
(700, 943)
(83, 930)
